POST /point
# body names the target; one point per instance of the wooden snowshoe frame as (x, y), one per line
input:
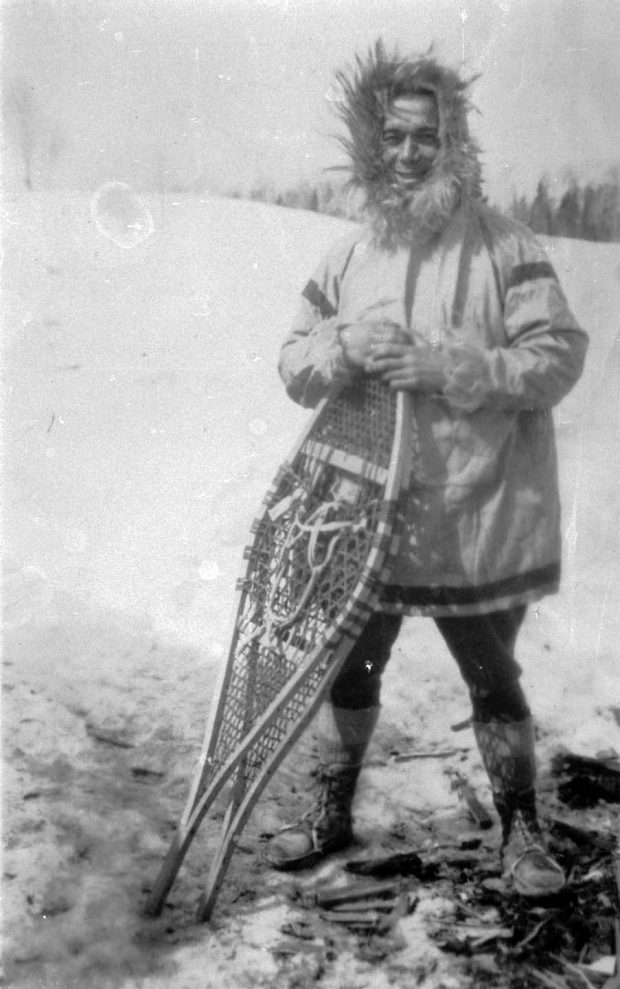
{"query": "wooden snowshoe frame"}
(323, 548)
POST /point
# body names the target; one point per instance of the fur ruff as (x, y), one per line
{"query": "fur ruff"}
(398, 216)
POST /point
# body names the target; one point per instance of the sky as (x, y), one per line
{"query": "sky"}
(224, 94)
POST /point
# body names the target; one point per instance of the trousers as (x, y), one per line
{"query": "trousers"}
(482, 645)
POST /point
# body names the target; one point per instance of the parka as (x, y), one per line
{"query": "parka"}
(482, 527)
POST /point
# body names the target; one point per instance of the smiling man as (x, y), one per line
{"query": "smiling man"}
(411, 138)
(442, 296)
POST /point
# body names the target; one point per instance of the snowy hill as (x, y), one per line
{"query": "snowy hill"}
(143, 420)
(145, 415)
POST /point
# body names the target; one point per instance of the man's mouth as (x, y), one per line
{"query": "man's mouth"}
(410, 175)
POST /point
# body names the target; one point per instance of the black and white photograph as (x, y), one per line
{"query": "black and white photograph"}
(310, 457)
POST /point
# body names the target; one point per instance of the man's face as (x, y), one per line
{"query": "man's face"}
(410, 139)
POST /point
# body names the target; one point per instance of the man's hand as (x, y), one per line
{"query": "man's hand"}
(360, 340)
(405, 366)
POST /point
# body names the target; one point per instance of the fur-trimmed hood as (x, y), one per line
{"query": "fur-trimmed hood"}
(366, 93)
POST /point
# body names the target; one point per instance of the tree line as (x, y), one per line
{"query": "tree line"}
(589, 211)
(322, 196)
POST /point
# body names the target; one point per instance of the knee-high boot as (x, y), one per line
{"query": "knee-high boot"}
(507, 750)
(326, 827)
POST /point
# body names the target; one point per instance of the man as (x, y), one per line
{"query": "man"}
(442, 296)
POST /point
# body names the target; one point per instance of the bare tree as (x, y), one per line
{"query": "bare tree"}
(20, 113)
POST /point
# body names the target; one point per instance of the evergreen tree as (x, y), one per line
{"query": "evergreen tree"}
(520, 209)
(541, 218)
(568, 217)
(588, 214)
(606, 208)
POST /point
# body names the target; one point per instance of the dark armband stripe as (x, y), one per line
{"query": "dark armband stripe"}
(319, 300)
(445, 596)
(529, 273)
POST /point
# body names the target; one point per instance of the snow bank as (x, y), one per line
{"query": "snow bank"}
(145, 417)
(143, 421)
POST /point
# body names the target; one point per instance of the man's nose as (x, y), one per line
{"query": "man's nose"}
(409, 148)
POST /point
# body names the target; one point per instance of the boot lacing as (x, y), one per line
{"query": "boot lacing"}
(524, 836)
(328, 819)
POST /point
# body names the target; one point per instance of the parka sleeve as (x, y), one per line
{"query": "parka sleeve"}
(312, 362)
(545, 348)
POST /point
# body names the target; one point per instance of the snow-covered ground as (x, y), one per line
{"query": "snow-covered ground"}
(143, 420)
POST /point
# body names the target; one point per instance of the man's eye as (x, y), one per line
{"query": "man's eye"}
(427, 137)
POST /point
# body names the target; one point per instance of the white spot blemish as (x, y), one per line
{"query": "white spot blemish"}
(258, 427)
(76, 541)
(121, 215)
(209, 570)
(25, 593)
(334, 94)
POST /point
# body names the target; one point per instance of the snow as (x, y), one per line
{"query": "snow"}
(145, 414)
(143, 421)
